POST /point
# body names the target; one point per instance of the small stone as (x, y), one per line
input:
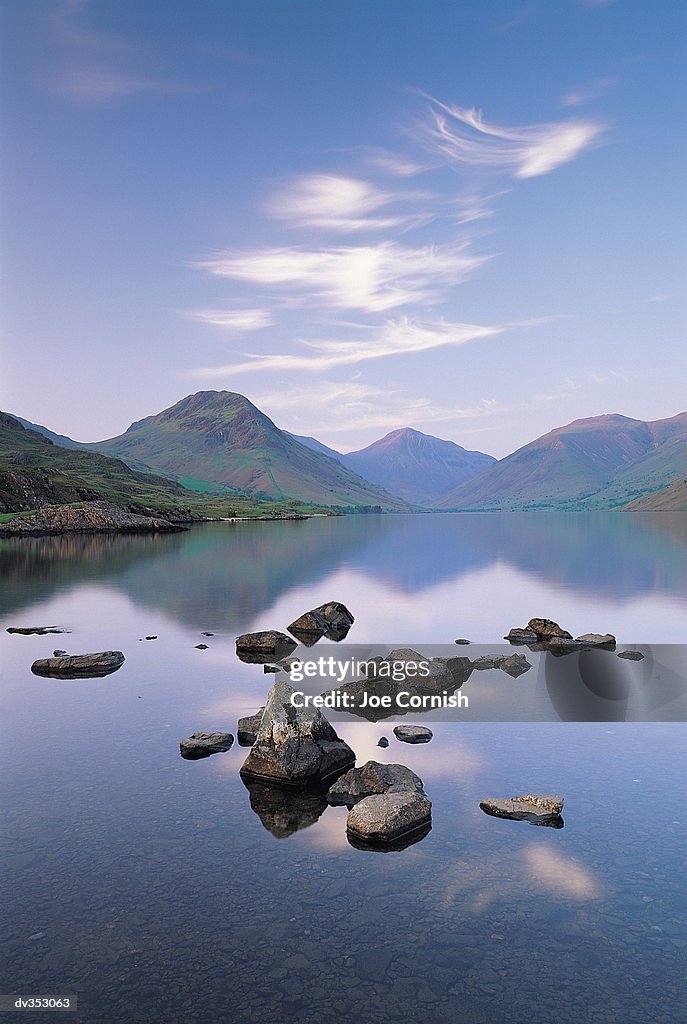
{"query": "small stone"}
(631, 655)
(268, 645)
(382, 742)
(536, 808)
(413, 733)
(203, 744)
(151, 638)
(521, 636)
(79, 666)
(58, 654)
(201, 647)
(461, 641)
(596, 639)
(206, 633)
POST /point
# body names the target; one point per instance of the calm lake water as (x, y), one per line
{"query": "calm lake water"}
(162, 890)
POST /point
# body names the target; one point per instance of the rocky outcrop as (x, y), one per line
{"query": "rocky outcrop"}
(294, 746)
(79, 666)
(202, 744)
(89, 517)
(536, 808)
(389, 817)
(263, 647)
(373, 779)
(413, 733)
(332, 620)
(248, 727)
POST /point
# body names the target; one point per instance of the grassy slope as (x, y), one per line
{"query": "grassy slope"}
(668, 499)
(34, 472)
(598, 463)
(220, 439)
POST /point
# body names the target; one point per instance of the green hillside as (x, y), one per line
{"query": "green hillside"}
(217, 439)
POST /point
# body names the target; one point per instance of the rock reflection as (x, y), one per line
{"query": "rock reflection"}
(284, 811)
(402, 843)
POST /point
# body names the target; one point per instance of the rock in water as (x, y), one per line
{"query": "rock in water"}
(79, 666)
(202, 744)
(35, 630)
(248, 728)
(382, 742)
(596, 639)
(413, 733)
(373, 779)
(332, 620)
(515, 665)
(521, 636)
(390, 816)
(536, 808)
(263, 647)
(547, 628)
(295, 746)
(631, 655)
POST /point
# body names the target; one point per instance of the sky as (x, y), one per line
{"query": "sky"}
(466, 217)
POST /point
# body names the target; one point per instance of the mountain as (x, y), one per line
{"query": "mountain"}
(669, 499)
(316, 446)
(415, 466)
(595, 463)
(61, 439)
(36, 472)
(218, 438)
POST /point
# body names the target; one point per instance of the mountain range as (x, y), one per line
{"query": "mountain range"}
(417, 467)
(599, 462)
(218, 442)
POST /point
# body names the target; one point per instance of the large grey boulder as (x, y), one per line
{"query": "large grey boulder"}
(388, 817)
(295, 746)
(332, 620)
(202, 744)
(373, 779)
(265, 646)
(536, 808)
(79, 666)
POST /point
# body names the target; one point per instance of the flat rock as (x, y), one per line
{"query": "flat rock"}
(202, 744)
(521, 636)
(35, 630)
(295, 746)
(371, 780)
(389, 816)
(631, 655)
(264, 646)
(248, 727)
(413, 733)
(537, 808)
(462, 640)
(79, 666)
(596, 639)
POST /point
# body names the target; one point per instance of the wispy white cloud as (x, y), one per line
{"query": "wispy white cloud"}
(462, 136)
(396, 164)
(336, 203)
(374, 278)
(395, 337)
(93, 67)
(350, 406)
(586, 93)
(235, 320)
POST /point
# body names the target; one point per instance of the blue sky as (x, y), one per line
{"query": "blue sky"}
(465, 217)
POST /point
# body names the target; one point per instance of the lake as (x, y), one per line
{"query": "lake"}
(162, 890)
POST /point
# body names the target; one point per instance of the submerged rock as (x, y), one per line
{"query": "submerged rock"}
(413, 733)
(79, 666)
(265, 646)
(295, 746)
(536, 808)
(389, 817)
(248, 727)
(202, 744)
(332, 620)
(373, 779)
